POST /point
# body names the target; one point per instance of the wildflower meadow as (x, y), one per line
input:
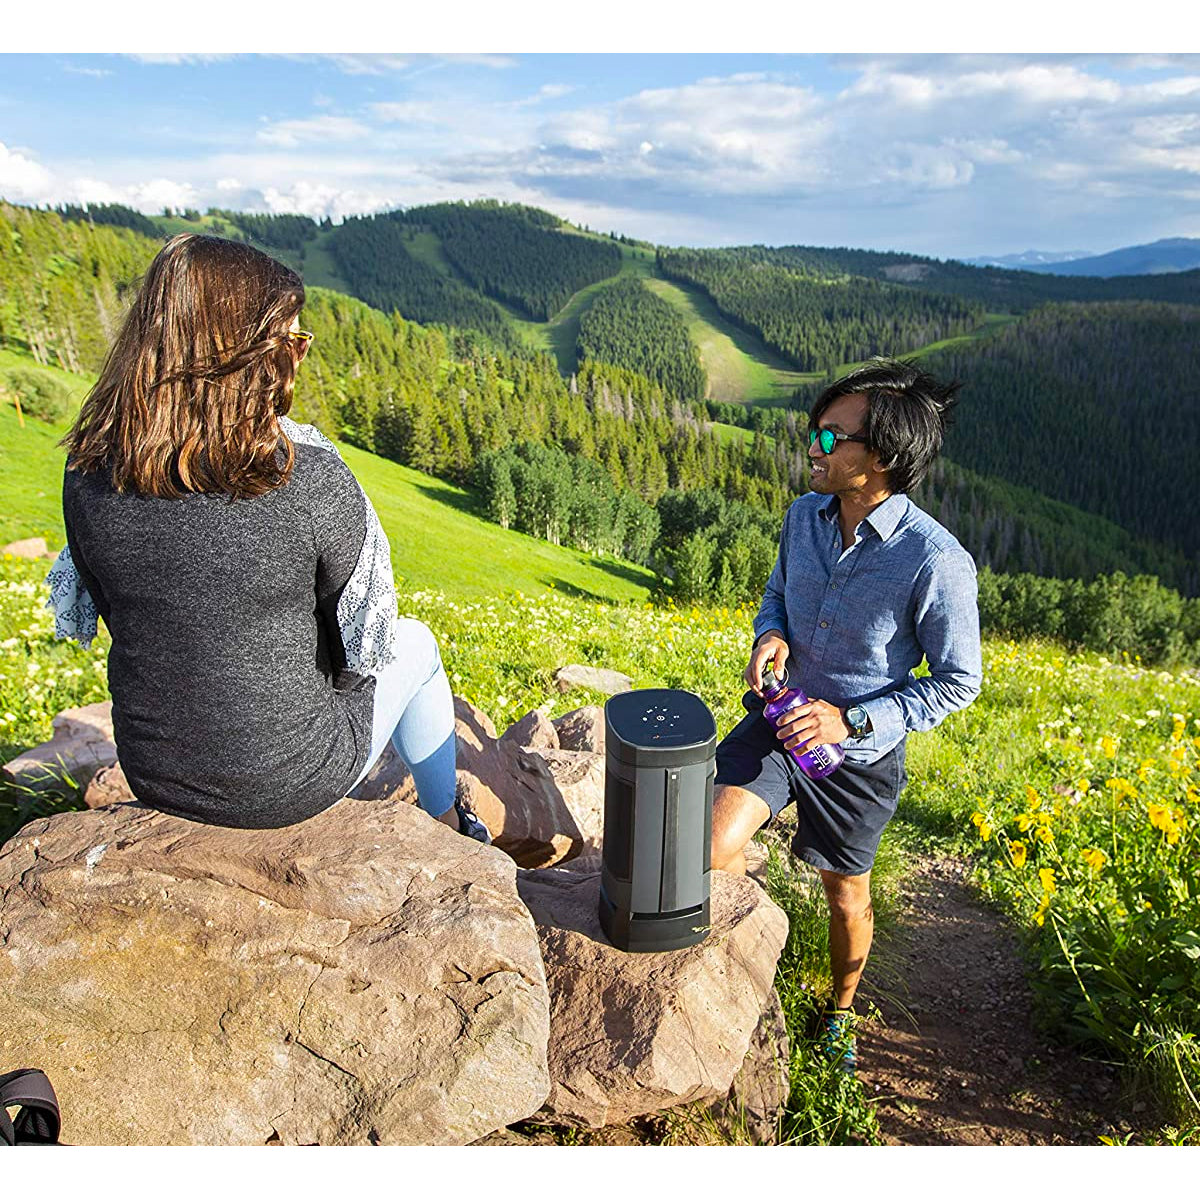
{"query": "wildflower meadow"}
(1072, 782)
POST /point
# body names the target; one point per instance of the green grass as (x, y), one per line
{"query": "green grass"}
(741, 368)
(438, 537)
(318, 268)
(31, 464)
(440, 540)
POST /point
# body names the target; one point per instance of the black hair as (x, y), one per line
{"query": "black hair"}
(908, 413)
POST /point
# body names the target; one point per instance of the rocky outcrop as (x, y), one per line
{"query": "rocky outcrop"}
(82, 744)
(364, 976)
(633, 1034)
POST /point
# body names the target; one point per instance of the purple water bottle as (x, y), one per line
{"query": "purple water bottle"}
(820, 760)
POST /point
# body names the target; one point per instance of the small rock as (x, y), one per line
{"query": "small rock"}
(34, 547)
(599, 679)
(108, 786)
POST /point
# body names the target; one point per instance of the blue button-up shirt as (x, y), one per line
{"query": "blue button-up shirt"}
(858, 621)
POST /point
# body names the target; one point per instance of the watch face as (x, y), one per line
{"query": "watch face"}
(857, 717)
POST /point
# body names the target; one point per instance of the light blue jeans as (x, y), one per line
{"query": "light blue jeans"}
(415, 712)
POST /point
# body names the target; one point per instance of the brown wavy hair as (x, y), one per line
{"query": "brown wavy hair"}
(189, 397)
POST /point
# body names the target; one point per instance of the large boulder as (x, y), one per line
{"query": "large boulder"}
(579, 778)
(633, 1034)
(751, 1110)
(514, 793)
(82, 744)
(364, 976)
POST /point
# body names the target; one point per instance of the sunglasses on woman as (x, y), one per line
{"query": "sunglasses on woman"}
(829, 438)
(305, 341)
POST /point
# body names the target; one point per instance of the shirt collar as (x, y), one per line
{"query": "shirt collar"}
(883, 519)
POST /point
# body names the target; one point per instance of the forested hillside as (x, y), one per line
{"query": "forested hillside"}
(819, 321)
(516, 253)
(373, 256)
(440, 403)
(63, 284)
(629, 326)
(1096, 405)
(998, 289)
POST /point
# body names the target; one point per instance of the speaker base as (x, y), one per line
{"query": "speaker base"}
(645, 933)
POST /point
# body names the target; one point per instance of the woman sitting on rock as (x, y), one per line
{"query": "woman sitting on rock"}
(258, 668)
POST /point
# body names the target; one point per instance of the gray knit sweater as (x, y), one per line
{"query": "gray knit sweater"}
(231, 701)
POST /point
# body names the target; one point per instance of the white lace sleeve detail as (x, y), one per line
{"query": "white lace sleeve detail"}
(366, 610)
(74, 609)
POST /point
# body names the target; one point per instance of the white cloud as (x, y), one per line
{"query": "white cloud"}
(312, 129)
(92, 72)
(23, 178)
(407, 111)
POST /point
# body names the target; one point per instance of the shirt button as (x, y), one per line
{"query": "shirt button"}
(824, 624)
(833, 586)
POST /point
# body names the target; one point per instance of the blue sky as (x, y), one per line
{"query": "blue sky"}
(949, 155)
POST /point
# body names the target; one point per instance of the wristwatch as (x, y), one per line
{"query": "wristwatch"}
(858, 719)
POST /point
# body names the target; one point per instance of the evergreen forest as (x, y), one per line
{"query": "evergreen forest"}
(628, 326)
(624, 458)
(819, 321)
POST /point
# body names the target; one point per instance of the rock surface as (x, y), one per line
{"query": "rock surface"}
(81, 745)
(34, 547)
(388, 779)
(534, 731)
(364, 976)
(514, 793)
(581, 729)
(633, 1034)
(579, 778)
(108, 786)
(751, 1110)
(599, 679)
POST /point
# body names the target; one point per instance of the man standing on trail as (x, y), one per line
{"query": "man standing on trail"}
(866, 585)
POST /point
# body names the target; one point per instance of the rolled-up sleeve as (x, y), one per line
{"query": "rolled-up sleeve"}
(772, 612)
(947, 628)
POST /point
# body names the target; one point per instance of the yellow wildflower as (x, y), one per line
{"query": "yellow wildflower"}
(1019, 852)
(1177, 732)
(1039, 913)
(1046, 875)
(1094, 857)
(1024, 820)
(1163, 819)
(1083, 786)
(1043, 834)
(1108, 746)
(1032, 798)
(985, 831)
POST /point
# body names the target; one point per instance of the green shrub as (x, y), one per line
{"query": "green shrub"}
(42, 395)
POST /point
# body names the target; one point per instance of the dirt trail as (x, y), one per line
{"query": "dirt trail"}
(954, 1058)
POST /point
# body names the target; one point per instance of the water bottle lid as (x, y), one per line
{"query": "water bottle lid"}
(771, 681)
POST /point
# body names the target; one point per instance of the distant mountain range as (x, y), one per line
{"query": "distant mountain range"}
(1163, 257)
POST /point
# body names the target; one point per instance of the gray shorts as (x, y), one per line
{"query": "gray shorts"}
(839, 819)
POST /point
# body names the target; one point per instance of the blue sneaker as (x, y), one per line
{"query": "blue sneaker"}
(470, 825)
(837, 1040)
